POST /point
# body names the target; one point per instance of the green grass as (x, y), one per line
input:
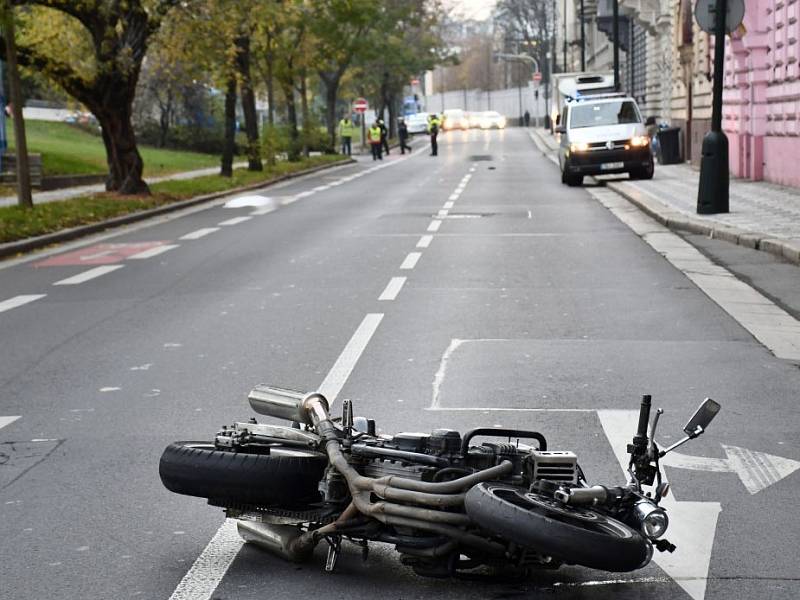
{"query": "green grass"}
(68, 150)
(18, 223)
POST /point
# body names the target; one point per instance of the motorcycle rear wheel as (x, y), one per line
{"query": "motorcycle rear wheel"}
(283, 476)
(575, 535)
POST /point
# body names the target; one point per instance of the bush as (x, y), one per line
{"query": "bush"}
(207, 139)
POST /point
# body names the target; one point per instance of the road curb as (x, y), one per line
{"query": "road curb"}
(65, 235)
(676, 220)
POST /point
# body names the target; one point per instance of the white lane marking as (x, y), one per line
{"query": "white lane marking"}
(438, 378)
(109, 389)
(530, 215)
(155, 251)
(320, 188)
(411, 260)
(212, 564)
(434, 226)
(424, 241)
(771, 325)
(7, 421)
(19, 301)
(392, 288)
(337, 376)
(756, 470)
(87, 275)
(234, 221)
(692, 525)
(496, 409)
(441, 214)
(453, 196)
(97, 254)
(197, 234)
(254, 200)
(305, 194)
(448, 205)
(262, 211)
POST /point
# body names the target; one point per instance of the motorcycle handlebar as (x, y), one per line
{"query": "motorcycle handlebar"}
(644, 417)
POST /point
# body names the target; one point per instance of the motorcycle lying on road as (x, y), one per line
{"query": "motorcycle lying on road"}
(449, 505)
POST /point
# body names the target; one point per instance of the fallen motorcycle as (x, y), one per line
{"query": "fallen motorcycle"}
(449, 506)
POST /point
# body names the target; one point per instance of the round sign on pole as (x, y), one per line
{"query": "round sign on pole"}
(705, 14)
(537, 76)
(360, 105)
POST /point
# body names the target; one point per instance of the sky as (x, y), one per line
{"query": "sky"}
(471, 9)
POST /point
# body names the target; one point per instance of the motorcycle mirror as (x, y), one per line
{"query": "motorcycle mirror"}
(702, 417)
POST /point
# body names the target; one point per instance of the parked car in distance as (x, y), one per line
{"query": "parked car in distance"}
(455, 118)
(474, 119)
(492, 119)
(417, 123)
(600, 135)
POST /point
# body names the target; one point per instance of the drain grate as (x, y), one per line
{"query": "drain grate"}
(480, 157)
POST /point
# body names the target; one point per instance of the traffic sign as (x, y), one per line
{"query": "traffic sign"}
(705, 14)
(537, 76)
(360, 105)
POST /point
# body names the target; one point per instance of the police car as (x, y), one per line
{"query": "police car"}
(600, 135)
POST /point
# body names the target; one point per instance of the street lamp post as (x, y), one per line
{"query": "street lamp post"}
(615, 30)
(712, 193)
(583, 40)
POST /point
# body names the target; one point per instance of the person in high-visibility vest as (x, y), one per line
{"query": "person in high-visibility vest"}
(346, 132)
(374, 139)
(434, 123)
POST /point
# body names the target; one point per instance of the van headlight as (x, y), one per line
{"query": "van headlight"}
(640, 141)
(653, 519)
(579, 147)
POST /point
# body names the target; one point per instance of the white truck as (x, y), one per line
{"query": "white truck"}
(567, 86)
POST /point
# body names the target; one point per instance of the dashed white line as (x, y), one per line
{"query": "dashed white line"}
(434, 226)
(234, 221)
(448, 205)
(424, 241)
(87, 275)
(262, 211)
(337, 376)
(19, 301)
(7, 421)
(411, 260)
(155, 251)
(530, 215)
(393, 288)
(197, 234)
(305, 194)
(454, 196)
(441, 214)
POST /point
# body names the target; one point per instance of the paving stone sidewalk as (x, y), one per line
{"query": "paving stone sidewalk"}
(762, 215)
(82, 190)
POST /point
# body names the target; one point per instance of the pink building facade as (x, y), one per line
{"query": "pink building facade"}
(761, 103)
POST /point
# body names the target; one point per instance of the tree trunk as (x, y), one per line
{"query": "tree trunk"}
(305, 113)
(125, 164)
(270, 56)
(164, 120)
(331, 82)
(24, 197)
(248, 103)
(392, 114)
(230, 129)
(291, 116)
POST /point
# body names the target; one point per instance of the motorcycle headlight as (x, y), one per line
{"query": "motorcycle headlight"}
(653, 519)
(639, 141)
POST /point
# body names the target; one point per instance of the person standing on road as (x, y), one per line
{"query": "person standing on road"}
(346, 131)
(527, 118)
(402, 133)
(433, 130)
(374, 139)
(384, 136)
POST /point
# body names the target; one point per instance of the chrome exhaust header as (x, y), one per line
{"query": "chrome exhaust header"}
(290, 405)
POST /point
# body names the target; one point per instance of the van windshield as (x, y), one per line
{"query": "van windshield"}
(603, 113)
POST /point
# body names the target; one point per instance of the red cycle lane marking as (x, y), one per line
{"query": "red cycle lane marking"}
(99, 254)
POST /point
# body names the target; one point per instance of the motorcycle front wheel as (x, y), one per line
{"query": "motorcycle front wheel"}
(254, 476)
(574, 535)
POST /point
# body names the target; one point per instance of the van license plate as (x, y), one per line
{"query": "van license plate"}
(610, 166)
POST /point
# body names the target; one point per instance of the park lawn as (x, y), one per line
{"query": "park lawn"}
(18, 223)
(69, 150)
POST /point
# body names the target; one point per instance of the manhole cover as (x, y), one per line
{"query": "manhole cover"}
(480, 157)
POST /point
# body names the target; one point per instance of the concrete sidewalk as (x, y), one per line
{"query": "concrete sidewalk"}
(83, 190)
(762, 215)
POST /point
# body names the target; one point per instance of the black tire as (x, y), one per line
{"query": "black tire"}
(574, 535)
(644, 172)
(574, 180)
(285, 476)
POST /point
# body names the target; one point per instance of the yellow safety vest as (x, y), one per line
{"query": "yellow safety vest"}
(374, 135)
(346, 129)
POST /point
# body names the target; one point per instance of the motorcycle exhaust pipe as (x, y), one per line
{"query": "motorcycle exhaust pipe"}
(290, 405)
(286, 541)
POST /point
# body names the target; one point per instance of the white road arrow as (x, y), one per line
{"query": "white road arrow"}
(692, 524)
(757, 470)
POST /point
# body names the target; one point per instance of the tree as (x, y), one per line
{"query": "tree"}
(116, 35)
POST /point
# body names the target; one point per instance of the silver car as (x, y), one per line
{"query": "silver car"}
(602, 135)
(417, 123)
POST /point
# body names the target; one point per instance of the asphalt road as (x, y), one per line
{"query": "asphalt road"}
(529, 305)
